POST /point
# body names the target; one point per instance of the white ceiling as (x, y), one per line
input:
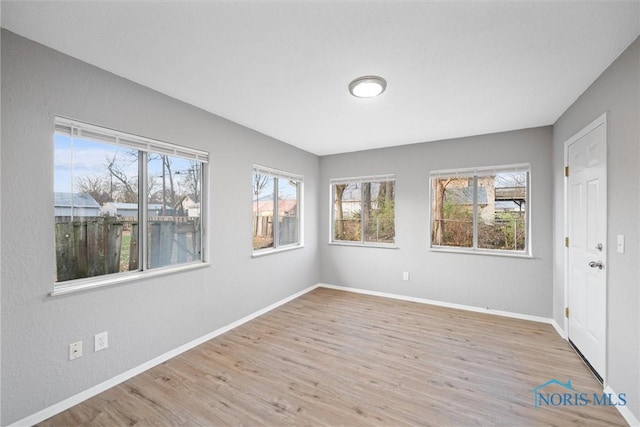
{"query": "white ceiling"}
(282, 68)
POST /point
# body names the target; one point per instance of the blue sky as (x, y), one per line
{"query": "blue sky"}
(286, 191)
(90, 159)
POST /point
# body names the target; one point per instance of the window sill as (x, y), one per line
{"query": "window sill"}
(482, 252)
(78, 285)
(263, 252)
(366, 245)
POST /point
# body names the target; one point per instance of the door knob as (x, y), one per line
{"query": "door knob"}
(596, 264)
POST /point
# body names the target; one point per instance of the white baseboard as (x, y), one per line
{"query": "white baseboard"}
(443, 304)
(624, 410)
(558, 329)
(118, 379)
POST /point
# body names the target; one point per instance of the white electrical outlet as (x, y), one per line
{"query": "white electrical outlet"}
(405, 275)
(101, 341)
(75, 350)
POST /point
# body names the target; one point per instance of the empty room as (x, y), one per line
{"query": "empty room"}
(320, 213)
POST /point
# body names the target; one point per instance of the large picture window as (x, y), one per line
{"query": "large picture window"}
(277, 206)
(363, 210)
(124, 203)
(483, 209)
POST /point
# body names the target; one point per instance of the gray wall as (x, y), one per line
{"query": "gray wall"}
(616, 91)
(501, 283)
(146, 318)
(150, 317)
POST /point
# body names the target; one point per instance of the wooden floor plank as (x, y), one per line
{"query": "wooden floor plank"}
(337, 358)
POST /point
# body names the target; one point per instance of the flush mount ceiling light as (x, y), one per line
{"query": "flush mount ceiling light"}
(367, 86)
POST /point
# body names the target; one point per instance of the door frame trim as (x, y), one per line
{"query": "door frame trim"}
(601, 120)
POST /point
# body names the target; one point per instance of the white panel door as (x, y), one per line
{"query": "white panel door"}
(587, 252)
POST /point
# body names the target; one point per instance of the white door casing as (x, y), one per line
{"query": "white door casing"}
(586, 229)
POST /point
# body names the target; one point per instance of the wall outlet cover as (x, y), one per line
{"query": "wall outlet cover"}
(101, 341)
(75, 350)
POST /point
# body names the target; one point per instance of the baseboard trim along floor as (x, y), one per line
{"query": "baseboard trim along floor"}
(118, 379)
(99, 388)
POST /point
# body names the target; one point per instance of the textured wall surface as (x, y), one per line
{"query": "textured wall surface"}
(616, 92)
(149, 317)
(520, 285)
(145, 318)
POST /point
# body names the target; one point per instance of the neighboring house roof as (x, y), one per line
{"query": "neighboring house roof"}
(267, 206)
(120, 205)
(464, 195)
(134, 206)
(511, 193)
(188, 201)
(79, 200)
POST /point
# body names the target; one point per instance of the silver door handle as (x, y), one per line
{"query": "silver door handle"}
(596, 264)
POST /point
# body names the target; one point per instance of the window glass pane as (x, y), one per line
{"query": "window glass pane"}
(89, 177)
(279, 192)
(347, 211)
(452, 212)
(502, 211)
(287, 212)
(174, 192)
(99, 226)
(379, 212)
(263, 207)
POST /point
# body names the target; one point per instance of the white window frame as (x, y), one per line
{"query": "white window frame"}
(474, 173)
(359, 180)
(278, 174)
(75, 128)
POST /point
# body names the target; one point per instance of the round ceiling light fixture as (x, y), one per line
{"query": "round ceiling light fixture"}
(367, 86)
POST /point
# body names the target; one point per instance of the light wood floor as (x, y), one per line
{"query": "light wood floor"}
(338, 358)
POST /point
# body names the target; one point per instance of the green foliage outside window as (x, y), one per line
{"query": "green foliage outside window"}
(485, 211)
(364, 212)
